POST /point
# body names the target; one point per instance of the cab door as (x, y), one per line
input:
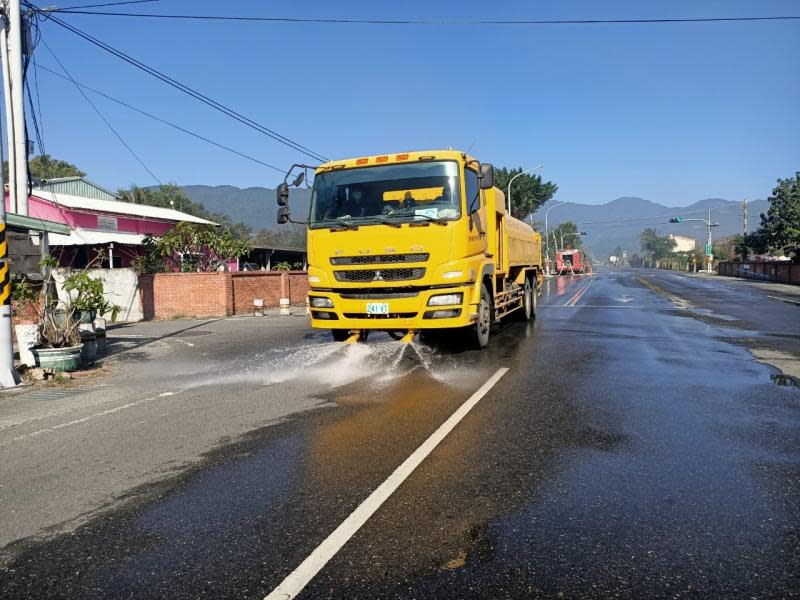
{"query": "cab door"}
(476, 213)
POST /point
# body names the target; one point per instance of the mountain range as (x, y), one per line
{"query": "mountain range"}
(618, 223)
(613, 224)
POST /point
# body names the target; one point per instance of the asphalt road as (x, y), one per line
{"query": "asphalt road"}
(640, 444)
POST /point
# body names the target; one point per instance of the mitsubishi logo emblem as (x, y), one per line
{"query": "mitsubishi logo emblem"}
(378, 276)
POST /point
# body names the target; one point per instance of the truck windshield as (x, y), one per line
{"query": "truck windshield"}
(386, 194)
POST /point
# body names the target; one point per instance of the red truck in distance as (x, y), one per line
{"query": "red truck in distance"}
(571, 261)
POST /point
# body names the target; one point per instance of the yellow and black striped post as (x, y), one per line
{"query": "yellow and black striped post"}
(8, 374)
(5, 276)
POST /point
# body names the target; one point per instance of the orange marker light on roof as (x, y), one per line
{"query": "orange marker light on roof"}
(362, 161)
(382, 159)
(402, 157)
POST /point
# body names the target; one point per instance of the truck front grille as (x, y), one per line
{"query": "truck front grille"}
(404, 315)
(377, 259)
(380, 275)
(388, 294)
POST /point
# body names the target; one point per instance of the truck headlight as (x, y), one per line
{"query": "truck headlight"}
(318, 302)
(452, 274)
(313, 279)
(445, 299)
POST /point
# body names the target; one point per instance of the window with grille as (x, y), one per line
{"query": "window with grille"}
(106, 222)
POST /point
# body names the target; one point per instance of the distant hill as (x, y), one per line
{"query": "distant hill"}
(619, 222)
(255, 205)
(615, 223)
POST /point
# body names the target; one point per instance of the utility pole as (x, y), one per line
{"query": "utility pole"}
(14, 68)
(11, 37)
(12, 192)
(547, 237)
(744, 213)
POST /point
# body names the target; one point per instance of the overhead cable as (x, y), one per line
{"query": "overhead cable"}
(164, 121)
(100, 114)
(186, 89)
(438, 22)
(65, 8)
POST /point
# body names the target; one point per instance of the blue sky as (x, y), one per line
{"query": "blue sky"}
(673, 113)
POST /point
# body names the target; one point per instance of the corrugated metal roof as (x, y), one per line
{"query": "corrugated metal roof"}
(77, 186)
(118, 207)
(82, 237)
(35, 224)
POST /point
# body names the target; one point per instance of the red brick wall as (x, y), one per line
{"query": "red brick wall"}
(248, 285)
(171, 295)
(782, 272)
(298, 287)
(267, 285)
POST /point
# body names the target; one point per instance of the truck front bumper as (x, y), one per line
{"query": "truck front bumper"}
(404, 311)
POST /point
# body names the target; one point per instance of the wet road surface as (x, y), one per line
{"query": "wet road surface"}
(635, 448)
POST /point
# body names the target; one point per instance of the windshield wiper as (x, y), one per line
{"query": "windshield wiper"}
(427, 217)
(386, 221)
(342, 221)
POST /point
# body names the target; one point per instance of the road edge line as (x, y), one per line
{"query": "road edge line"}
(795, 302)
(294, 583)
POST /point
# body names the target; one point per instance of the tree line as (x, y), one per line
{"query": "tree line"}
(779, 230)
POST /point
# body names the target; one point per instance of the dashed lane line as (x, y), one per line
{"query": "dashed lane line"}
(302, 575)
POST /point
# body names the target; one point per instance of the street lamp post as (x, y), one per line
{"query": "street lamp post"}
(514, 177)
(546, 237)
(709, 225)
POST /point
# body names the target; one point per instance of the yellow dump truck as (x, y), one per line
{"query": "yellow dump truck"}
(414, 242)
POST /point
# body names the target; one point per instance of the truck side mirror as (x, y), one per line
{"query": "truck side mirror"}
(486, 176)
(283, 215)
(283, 194)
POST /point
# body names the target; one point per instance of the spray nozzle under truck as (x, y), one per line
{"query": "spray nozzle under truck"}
(414, 241)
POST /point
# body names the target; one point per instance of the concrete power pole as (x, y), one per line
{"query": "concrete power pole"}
(17, 176)
(15, 35)
(744, 212)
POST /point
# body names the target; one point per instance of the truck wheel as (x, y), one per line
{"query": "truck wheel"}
(527, 302)
(482, 327)
(340, 335)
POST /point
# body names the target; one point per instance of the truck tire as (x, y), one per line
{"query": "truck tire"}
(528, 302)
(482, 327)
(340, 335)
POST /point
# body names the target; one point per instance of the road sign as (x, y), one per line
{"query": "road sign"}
(708, 249)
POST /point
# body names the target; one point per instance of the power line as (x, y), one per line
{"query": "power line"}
(100, 114)
(439, 22)
(186, 89)
(101, 5)
(104, 4)
(164, 121)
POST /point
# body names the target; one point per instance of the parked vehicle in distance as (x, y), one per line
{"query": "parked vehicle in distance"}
(571, 261)
(415, 242)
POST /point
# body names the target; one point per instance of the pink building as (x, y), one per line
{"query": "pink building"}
(113, 226)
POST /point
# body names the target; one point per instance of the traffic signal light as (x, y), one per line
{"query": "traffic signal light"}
(676, 220)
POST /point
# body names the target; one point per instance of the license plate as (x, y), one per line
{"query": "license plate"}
(377, 308)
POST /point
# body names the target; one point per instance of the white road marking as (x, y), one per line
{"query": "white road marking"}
(299, 578)
(787, 300)
(90, 417)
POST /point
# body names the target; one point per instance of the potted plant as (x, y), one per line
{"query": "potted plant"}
(59, 346)
(87, 297)
(24, 308)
